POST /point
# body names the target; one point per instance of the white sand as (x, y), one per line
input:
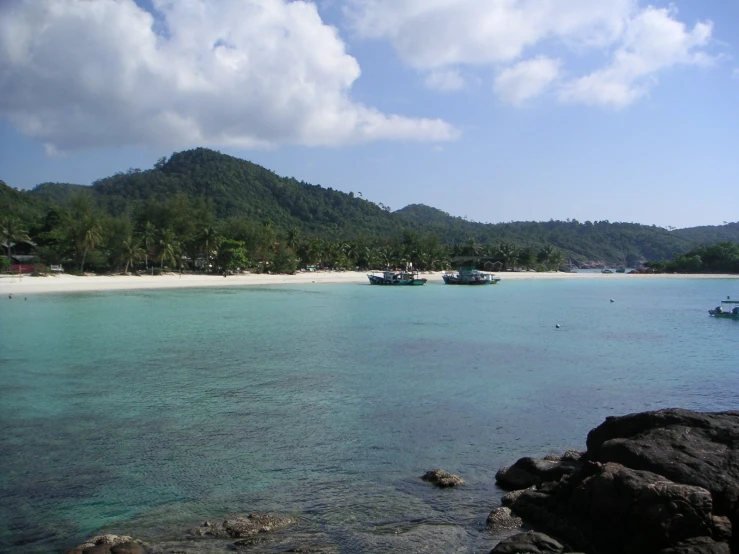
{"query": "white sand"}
(26, 285)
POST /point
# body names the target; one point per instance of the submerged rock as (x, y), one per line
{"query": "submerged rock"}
(528, 543)
(442, 478)
(241, 527)
(253, 524)
(110, 544)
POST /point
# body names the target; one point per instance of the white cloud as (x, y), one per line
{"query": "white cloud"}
(653, 41)
(429, 34)
(638, 42)
(445, 80)
(79, 73)
(526, 79)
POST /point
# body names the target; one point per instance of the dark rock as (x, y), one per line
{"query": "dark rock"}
(528, 472)
(691, 448)
(442, 478)
(528, 543)
(698, 545)
(501, 519)
(610, 508)
(722, 528)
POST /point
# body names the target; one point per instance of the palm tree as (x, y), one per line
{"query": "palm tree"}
(148, 239)
(207, 239)
(168, 248)
(132, 253)
(293, 239)
(471, 248)
(509, 252)
(88, 235)
(316, 251)
(11, 233)
(550, 256)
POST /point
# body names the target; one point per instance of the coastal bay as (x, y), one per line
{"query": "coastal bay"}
(146, 412)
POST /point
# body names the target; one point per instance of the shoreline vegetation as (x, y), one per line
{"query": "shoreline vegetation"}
(206, 211)
(65, 283)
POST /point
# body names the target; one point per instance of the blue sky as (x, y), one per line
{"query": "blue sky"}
(495, 110)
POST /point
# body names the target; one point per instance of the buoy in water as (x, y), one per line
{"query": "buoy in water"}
(612, 300)
(557, 326)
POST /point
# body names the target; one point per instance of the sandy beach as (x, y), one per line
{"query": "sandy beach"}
(26, 285)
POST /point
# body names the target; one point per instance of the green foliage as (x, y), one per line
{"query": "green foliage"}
(4, 263)
(722, 257)
(232, 255)
(183, 211)
(285, 261)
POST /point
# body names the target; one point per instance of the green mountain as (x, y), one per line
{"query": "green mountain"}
(208, 185)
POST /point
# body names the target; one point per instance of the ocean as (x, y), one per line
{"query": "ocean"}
(145, 413)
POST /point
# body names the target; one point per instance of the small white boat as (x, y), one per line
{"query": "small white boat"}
(470, 276)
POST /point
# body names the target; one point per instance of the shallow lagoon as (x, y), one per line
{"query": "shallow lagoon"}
(146, 412)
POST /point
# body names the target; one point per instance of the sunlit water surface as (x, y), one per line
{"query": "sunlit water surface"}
(145, 413)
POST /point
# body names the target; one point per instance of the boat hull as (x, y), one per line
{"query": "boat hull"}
(374, 280)
(714, 313)
(468, 283)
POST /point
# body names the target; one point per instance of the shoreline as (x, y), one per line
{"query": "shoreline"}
(17, 285)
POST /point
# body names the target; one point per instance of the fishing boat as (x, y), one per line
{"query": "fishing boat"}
(396, 278)
(469, 276)
(728, 308)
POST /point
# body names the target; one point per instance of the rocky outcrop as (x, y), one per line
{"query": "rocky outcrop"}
(528, 472)
(442, 478)
(662, 482)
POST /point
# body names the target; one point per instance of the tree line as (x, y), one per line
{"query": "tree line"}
(241, 201)
(721, 257)
(182, 234)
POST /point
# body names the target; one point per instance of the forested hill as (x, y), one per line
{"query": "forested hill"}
(202, 186)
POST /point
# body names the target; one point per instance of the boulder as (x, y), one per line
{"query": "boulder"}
(501, 519)
(528, 543)
(528, 472)
(442, 478)
(691, 448)
(613, 509)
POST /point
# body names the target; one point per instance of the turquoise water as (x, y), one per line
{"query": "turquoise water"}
(146, 412)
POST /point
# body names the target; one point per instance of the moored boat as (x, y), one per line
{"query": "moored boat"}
(728, 308)
(407, 278)
(470, 276)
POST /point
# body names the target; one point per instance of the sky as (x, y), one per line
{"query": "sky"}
(493, 110)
